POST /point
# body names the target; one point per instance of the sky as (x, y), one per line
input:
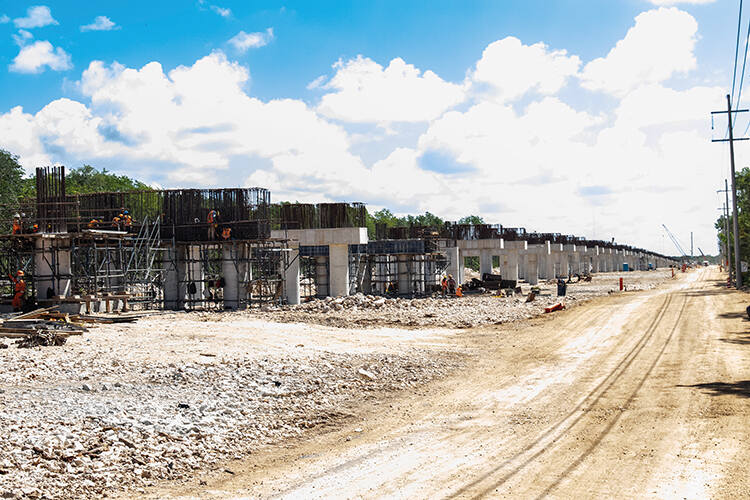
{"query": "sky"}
(580, 117)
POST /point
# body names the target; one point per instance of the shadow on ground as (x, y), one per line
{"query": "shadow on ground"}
(740, 389)
(739, 338)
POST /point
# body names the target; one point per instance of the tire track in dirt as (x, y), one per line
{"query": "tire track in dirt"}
(560, 428)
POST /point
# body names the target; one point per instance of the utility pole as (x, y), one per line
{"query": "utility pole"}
(725, 211)
(691, 245)
(735, 223)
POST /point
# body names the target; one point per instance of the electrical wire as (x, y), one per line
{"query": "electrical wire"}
(737, 50)
(742, 77)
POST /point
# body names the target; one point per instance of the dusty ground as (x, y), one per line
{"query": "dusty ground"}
(175, 405)
(470, 311)
(124, 407)
(629, 396)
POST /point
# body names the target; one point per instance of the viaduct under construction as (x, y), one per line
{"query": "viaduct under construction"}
(232, 249)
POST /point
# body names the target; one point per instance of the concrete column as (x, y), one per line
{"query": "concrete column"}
(321, 276)
(52, 268)
(485, 262)
(509, 265)
(338, 263)
(195, 274)
(404, 277)
(291, 278)
(522, 256)
(532, 268)
(455, 263)
(174, 287)
(230, 275)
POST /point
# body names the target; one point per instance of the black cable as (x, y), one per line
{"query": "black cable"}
(736, 49)
(742, 77)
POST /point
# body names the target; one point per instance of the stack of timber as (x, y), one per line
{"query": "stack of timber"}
(42, 327)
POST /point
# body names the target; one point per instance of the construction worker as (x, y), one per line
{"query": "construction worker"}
(17, 226)
(444, 286)
(212, 219)
(116, 222)
(127, 220)
(459, 291)
(94, 223)
(19, 287)
(451, 284)
(226, 233)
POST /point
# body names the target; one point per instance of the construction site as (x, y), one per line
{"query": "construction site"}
(195, 343)
(230, 249)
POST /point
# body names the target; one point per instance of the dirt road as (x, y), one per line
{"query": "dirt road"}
(638, 395)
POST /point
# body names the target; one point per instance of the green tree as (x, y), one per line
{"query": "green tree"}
(471, 219)
(742, 182)
(87, 179)
(11, 187)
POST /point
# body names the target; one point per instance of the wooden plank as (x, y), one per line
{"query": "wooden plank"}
(33, 314)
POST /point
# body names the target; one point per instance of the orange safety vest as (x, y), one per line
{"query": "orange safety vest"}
(16, 228)
(20, 286)
(226, 233)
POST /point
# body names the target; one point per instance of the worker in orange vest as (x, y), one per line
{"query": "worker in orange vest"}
(212, 219)
(19, 289)
(17, 226)
(226, 233)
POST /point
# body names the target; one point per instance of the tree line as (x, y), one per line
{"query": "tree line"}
(742, 182)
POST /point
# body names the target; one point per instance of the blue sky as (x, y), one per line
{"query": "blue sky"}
(445, 36)
(517, 107)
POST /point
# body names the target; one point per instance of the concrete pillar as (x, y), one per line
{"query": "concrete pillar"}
(321, 276)
(175, 287)
(230, 275)
(52, 268)
(338, 264)
(404, 276)
(455, 263)
(509, 265)
(485, 262)
(291, 278)
(196, 276)
(522, 265)
(532, 268)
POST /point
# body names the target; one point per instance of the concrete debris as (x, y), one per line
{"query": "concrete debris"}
(172, 419)
(469, 311)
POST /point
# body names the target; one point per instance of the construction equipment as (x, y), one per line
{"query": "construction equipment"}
(675, 241)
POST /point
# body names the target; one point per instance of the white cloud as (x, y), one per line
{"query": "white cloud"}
(523, 146)
(510, 69)
(366, 92)
(4, 19)
(22, 37)
(659, 46)
(36, 17)
(317, 83)
(662, 3)
(223, 12)
(243, 41)
(33, 58)
(100, 23)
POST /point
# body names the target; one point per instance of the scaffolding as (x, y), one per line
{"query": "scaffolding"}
(152, 248)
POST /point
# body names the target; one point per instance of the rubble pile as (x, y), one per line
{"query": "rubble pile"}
(450, 312)
(80, 427)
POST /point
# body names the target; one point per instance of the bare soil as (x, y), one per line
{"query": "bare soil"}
(628, 396)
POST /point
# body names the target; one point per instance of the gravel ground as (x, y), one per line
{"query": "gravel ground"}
(124, 407)
(469, 311)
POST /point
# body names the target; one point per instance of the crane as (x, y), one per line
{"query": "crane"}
(674, 240)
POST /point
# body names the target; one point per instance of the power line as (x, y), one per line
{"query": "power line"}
(744, 62)
(737, 50)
